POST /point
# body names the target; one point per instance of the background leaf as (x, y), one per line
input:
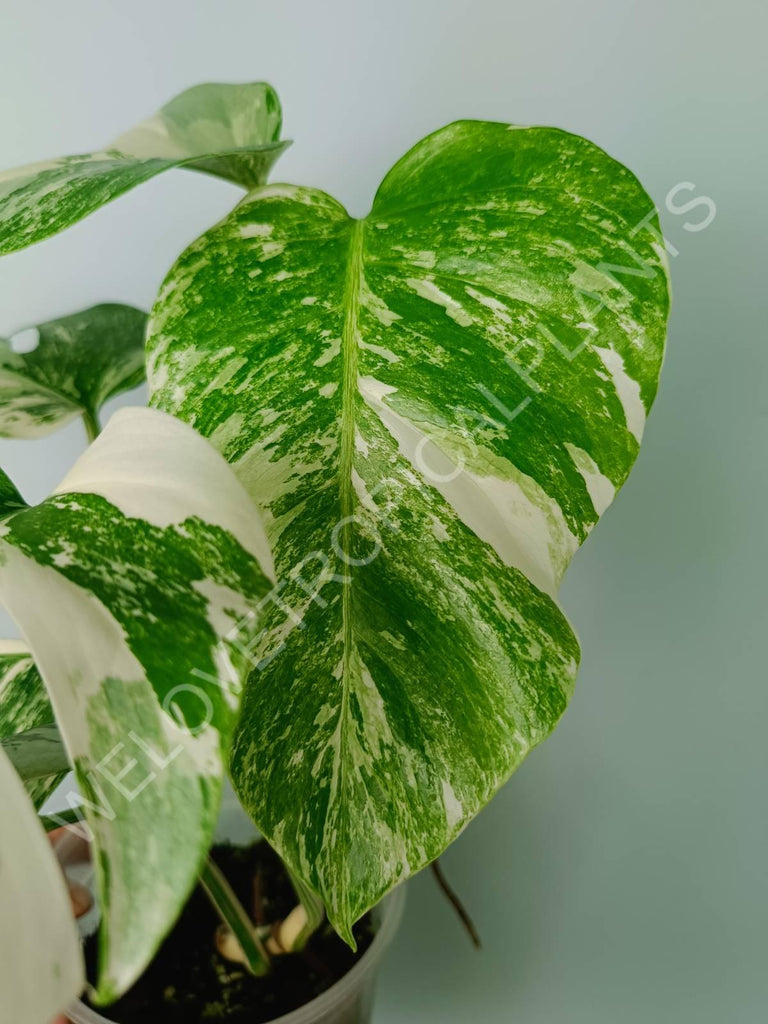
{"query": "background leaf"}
(24, 705)
(41, 969)
(10, 499)
(231, 131)
(77, 364)
(134, 586)
(432, 408)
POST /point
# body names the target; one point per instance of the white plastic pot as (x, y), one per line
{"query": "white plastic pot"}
(350, 1000)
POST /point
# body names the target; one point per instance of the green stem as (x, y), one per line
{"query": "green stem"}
(37, 753)
(313, 908)
(234, 916)
(92, 425)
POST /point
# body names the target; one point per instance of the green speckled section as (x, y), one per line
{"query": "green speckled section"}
(431, 407)
(24, 705)
(79, 362)
(134, 621)
(231, 131)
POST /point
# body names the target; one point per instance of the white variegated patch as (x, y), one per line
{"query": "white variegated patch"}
(627, 390)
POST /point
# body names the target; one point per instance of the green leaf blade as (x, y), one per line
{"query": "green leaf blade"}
(432, 418)
(43, 199)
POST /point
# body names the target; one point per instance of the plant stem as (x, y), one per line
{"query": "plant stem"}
(457, 905)
(37, 753)
(234, 916)
(314, 911)
(92, 425)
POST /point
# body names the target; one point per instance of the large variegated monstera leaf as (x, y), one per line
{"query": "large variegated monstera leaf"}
(231, 131)
(432, 406)
(73, 366)
(135, 585)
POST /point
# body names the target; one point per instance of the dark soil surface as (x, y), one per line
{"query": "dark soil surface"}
(189, 983)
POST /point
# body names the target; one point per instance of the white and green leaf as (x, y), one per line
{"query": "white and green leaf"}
(135, 585)
(70, 367)
(431, 406)
(231, 131)
(24, 705)
(41, 969)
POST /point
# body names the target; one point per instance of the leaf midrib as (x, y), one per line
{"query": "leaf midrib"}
(349, 372)
(349, 384)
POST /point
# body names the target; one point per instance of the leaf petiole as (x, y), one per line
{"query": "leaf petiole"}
(234, 917)
(92, 425)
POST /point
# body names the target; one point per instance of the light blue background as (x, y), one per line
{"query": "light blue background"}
(621, 876)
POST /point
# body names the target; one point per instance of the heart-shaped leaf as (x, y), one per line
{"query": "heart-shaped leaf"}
(24, 705)
(232, 131)
(41, 969)
(134, 586)
(432, 407)
(73, 365)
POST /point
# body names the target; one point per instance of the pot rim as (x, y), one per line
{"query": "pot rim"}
(390, 914)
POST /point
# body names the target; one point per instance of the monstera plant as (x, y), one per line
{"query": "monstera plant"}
(424, 413)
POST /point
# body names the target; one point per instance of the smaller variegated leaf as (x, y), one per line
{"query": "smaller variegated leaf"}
(73, 366)
(134, 585)
(41, 967)
(231, 131)
(24, 705)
